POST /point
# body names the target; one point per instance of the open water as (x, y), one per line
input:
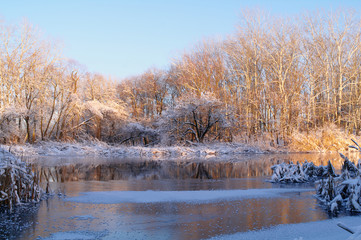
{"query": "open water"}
(210, 204)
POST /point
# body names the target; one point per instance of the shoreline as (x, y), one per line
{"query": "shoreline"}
(104, 150)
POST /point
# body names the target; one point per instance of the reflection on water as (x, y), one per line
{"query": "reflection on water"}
(171, 220)
(105, 170)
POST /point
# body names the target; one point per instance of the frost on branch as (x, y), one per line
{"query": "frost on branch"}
(103, 117)
(17, 182)
(197, 118)
(100, 110)
(138, 133)
(9, 130)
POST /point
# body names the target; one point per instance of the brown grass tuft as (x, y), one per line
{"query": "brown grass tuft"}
(327, 139)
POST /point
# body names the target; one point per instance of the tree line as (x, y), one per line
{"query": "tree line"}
(273, 77)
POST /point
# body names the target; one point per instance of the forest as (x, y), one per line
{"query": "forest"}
(273, 79)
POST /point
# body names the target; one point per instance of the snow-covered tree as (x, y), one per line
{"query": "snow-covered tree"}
(102, 110)
(197, 118)
(137, 133)
(145, 94)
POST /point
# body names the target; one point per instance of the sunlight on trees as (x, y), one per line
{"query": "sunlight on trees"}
(45, 98)
(273, 79)
(197, 117)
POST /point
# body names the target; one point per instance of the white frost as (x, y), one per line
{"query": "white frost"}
(101, 149)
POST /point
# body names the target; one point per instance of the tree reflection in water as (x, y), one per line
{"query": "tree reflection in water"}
(247, 166)
(181, 220)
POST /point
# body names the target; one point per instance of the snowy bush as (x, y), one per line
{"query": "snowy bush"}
(103, 118)
(335, 191)
(297, 173)
(197, 118)
(9, 123)
(136, 133)
(17, 182)
(343, 191)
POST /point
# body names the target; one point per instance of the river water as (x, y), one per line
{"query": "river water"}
(161, 199)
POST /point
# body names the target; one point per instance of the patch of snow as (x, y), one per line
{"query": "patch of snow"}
(101, 149)
(114, 197)
(320, 230)
(355, 236)
(350, 181)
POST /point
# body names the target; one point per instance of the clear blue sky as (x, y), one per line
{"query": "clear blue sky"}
(123, 38)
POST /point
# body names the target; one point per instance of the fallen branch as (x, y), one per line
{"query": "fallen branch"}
(344, 227)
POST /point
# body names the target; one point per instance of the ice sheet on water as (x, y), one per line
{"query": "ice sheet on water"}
(83, 217)
(75, 235)
(321, 230)
(114, 197)
(87, 235)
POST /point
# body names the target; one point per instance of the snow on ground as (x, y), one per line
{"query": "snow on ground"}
(101, 149)
(6, 157)
(114, 197)
(321, 230)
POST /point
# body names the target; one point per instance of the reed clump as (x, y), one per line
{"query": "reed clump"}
(18, 184)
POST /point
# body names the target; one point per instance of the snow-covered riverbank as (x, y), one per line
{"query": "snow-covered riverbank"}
(318, 230)
(101, 149)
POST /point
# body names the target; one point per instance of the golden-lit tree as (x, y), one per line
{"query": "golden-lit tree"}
(273, 78)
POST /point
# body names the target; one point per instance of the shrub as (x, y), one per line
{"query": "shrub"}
(17, 182)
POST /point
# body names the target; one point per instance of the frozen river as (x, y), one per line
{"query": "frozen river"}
(139, 199)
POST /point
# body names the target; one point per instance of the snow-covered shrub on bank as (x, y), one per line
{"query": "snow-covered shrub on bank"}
(343, 191)
(300, 173)
(17, 182)
(335, 191)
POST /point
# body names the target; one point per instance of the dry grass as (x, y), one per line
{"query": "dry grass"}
(327, 139)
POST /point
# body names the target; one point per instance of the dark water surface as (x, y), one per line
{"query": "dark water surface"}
(59, 218)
